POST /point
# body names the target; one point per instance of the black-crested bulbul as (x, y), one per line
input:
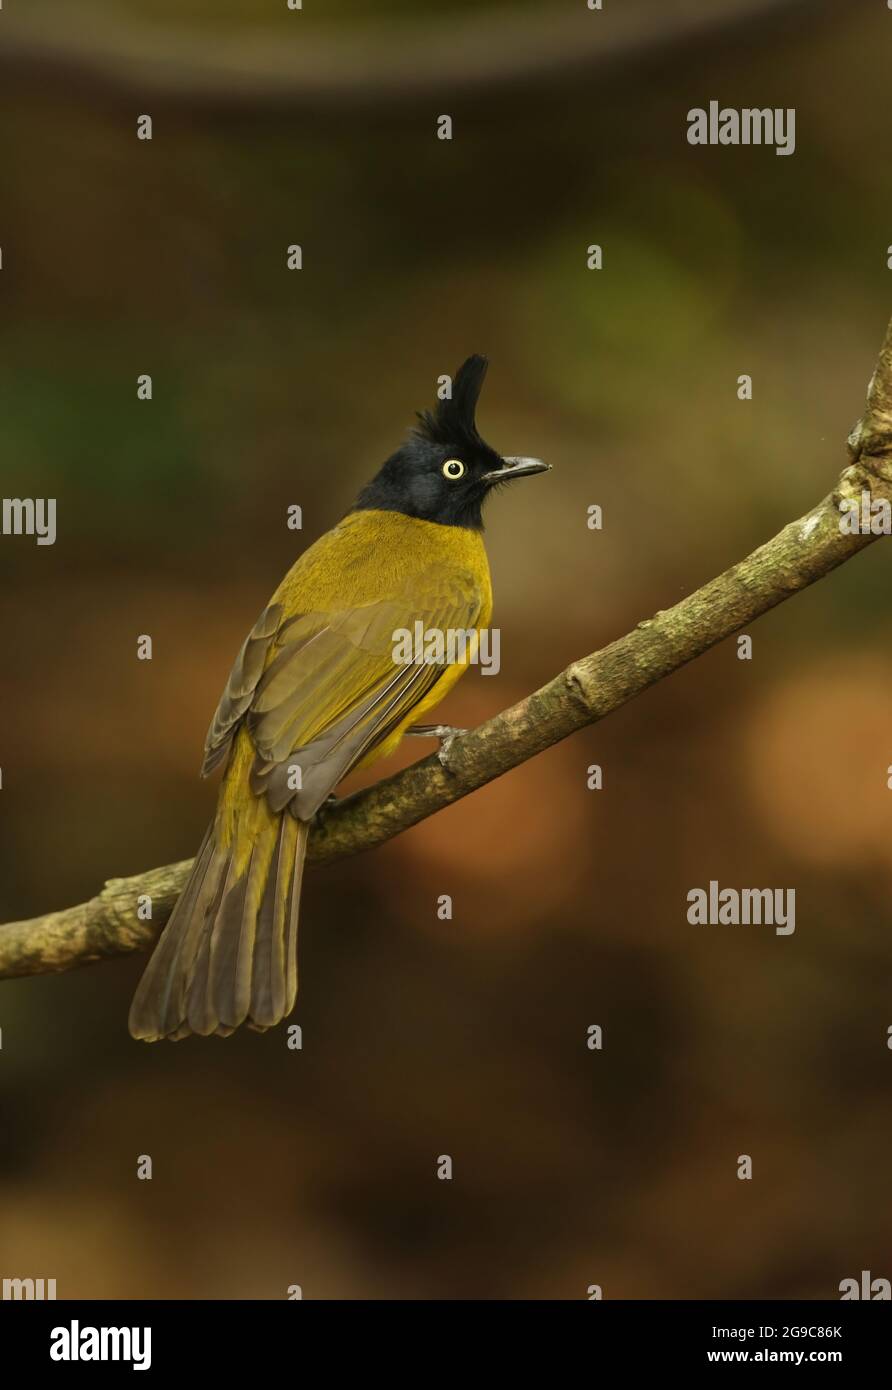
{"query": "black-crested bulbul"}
(316, 691)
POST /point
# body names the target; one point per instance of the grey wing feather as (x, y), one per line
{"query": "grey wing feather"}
(239, 692)
(326, 759)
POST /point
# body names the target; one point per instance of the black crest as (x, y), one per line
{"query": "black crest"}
(453, 423)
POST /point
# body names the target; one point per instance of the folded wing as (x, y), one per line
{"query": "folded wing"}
(319, 690)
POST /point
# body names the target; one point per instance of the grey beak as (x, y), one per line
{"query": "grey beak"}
(515, 468)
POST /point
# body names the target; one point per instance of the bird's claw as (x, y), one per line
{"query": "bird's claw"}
(444, 732)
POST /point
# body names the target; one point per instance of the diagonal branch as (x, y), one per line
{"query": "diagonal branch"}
(803, 552)
(307, 67)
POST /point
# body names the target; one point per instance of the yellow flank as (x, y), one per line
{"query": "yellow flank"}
(433, 697)
(370, 557)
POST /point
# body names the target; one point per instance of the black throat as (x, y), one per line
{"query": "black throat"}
(381, 495)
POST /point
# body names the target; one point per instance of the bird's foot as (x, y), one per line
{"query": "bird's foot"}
(444, 732)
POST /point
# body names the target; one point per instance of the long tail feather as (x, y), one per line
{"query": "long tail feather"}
(228, 954)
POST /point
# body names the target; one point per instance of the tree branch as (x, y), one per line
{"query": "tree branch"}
(803, 552)
(340, 68)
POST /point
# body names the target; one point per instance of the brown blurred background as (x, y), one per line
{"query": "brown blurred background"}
(467, 1037)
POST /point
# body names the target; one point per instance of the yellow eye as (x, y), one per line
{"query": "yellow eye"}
(453, 469)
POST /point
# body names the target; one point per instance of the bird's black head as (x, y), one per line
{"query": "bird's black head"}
(444, 471)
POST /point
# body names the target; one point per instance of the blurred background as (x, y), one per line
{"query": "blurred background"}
(271, 388)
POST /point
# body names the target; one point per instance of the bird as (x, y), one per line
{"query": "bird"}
(315, 692)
